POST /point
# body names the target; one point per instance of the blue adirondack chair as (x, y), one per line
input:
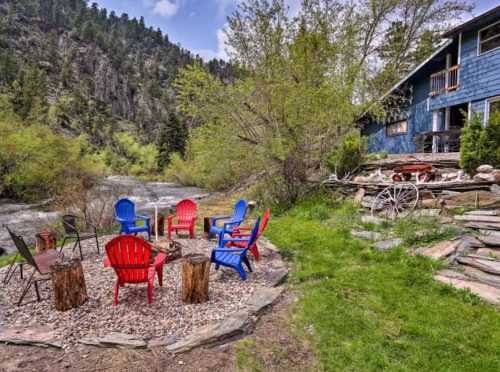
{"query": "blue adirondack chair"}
(240, 210)
(236, 257)
(125, 215)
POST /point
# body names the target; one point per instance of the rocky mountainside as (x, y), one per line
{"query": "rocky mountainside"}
(89, 70)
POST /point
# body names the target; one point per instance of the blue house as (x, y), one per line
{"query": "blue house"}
(426, 110)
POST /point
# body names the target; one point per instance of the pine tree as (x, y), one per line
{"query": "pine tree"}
(173, 135)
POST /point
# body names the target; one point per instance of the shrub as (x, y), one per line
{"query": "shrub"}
(127, 156)
(347, 155)
(37, 163)
(469, 142)
(480, 144)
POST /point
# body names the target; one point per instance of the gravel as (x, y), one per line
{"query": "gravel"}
(166, 316)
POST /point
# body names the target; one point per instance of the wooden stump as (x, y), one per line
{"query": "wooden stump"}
(195, 276)
(68, 283)
(206, 228)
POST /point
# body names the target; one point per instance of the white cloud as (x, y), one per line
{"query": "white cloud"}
(166, 8)
(220, 52)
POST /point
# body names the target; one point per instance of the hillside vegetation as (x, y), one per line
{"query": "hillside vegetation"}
(68, 71)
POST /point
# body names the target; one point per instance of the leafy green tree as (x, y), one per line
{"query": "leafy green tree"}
(172, 139)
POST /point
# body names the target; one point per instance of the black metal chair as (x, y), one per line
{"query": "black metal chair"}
(14, 264)
(41, 264)
(71, 231)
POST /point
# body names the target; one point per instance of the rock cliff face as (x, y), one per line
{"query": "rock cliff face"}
(102, 72)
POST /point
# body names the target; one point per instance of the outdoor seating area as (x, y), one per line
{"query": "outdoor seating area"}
(134, 286)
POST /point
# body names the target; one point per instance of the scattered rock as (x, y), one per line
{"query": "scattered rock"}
(119, 340)
(490, 240)
(490, 233)
(371, 219)
(426, 212)
(262, 299)
(366, 235)
(231, 327)
(485, 168)
(276, 276)
(385, 245)
(34, 336)
(488, 252)
(486, 292)
(486, 265)
(440, 250)
(494, 212)
(493, 280)
(478, 218)
(484, 177)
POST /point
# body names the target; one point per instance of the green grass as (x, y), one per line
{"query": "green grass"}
(365, 310)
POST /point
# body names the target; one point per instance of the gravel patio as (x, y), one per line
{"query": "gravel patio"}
(167, 316)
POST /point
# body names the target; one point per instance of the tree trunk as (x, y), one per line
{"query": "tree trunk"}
(195, 276)
(68, 283)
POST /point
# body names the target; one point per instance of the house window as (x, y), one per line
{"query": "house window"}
(492, 106)
(489, 38)
(397, 128)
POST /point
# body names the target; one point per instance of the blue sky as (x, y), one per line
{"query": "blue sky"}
(197, 24)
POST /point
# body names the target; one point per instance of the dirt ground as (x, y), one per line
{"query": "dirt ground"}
(271, 347)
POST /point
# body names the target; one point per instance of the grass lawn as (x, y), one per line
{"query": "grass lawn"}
(368, 310)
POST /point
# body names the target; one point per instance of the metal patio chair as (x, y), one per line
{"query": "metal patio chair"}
(41, 264)
(71, 232)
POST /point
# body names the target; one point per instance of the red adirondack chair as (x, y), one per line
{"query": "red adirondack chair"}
(242, 232)
(130, 257)
(185, 212)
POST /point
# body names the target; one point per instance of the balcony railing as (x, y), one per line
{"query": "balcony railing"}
(445, 80)
(435, 142)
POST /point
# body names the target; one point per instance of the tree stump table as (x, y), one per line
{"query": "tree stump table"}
(68, 283)
(195, 276)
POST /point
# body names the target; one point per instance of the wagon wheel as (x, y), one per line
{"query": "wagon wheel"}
(395, 201)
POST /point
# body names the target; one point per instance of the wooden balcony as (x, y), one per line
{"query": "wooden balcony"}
(438, 142)
(445, 80)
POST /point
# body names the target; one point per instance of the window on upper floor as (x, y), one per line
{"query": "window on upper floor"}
(489, 38)
(397, 128)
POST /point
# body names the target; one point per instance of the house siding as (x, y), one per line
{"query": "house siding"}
(479, 77)
(419, 120)
(479, 80)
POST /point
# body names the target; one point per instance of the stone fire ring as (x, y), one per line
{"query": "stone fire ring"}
(231, 327)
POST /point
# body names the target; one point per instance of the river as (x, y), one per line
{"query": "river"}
(28, 219)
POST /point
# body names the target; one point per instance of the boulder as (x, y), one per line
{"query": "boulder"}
(484, 177)
(485, 168)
